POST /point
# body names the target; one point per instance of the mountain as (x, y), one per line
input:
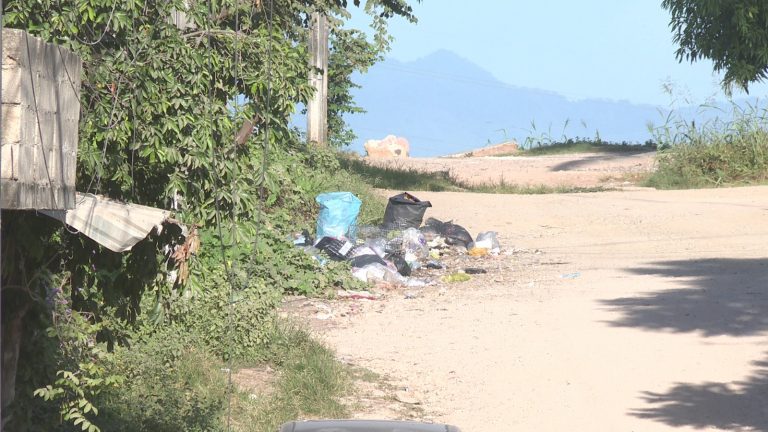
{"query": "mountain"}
(445, 104)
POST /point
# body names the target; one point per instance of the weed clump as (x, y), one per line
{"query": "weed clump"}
(712, 153)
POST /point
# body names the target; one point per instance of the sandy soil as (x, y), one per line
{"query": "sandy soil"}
(619, 311)
(584, 170)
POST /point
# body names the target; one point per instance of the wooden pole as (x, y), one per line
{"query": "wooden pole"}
(3, 384)
(317, 108)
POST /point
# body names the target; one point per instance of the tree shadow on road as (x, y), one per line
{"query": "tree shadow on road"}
(719, 297)
(586, 161)
(735, 406)
(716, 297)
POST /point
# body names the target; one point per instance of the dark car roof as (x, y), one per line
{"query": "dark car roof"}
(364, 426)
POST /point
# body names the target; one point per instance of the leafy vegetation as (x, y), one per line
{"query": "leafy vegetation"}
(713, 153)
(309, 385)
(142, 336)
(733, 34)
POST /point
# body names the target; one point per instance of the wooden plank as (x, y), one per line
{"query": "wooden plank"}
(41, 114)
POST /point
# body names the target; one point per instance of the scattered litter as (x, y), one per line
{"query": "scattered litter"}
(414, 247)
(570, 275)
(315, 254)
(361, 261)
(404, 211)
(415, 283)
(302, 239)
(475, 271)
(357, 295)
(338, 214)
(336, 248)
(398, 253)
(378, 273)
(377, 245)
(488, 240)
(478, 252)
(456, 277)
(454, 235)
(402, 266)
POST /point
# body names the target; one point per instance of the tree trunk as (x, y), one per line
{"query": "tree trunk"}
(12, 332)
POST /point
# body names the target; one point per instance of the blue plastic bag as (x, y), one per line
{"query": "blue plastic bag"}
(338, 215)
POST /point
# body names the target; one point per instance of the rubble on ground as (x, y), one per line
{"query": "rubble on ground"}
(405, 253)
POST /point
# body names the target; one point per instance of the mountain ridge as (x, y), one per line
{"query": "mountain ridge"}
(443, 104)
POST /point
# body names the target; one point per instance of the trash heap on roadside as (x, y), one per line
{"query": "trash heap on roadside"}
(404, 251)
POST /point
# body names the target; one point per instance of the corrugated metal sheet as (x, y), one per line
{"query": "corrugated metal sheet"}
(115, 225)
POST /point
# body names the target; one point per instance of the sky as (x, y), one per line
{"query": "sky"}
(605, 49)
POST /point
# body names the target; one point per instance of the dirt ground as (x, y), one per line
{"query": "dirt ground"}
(636, 310)
(583, 170)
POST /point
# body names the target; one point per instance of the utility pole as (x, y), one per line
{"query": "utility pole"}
(3, 414)
(317, 108)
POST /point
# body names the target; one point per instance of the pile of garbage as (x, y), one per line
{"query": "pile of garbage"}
(395, 251)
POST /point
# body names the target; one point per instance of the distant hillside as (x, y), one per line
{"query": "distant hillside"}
(445, 104)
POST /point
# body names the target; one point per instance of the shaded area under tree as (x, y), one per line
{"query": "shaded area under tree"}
(726, 406)
(721, 297)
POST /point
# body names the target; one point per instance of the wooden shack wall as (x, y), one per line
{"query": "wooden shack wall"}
(40, 117)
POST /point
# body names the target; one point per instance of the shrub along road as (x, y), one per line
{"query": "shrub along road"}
(661, 326)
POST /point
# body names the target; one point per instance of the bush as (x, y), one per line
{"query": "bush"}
(713, 153)
(172, 384)
(225, 322)
(168, 345)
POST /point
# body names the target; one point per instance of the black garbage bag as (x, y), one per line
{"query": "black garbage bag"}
(361, 261)
(433, 225)
(404, 211)
(430, 232)
(454, 234)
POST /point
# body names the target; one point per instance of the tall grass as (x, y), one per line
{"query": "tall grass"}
(712, 153)
(310, 384)
(400, 178)
(586, 145)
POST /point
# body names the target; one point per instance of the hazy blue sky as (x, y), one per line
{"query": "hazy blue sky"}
(611, 49)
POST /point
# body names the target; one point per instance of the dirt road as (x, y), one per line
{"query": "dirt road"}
(579, 170)
(660, 325)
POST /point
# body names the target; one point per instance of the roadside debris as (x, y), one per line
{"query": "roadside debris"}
(456, 277)
(357, 295)
(404, 211)
(475, 271)
(478, 252)
(452, 234)
(401, 252)
(487, 240)
(338, 215)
